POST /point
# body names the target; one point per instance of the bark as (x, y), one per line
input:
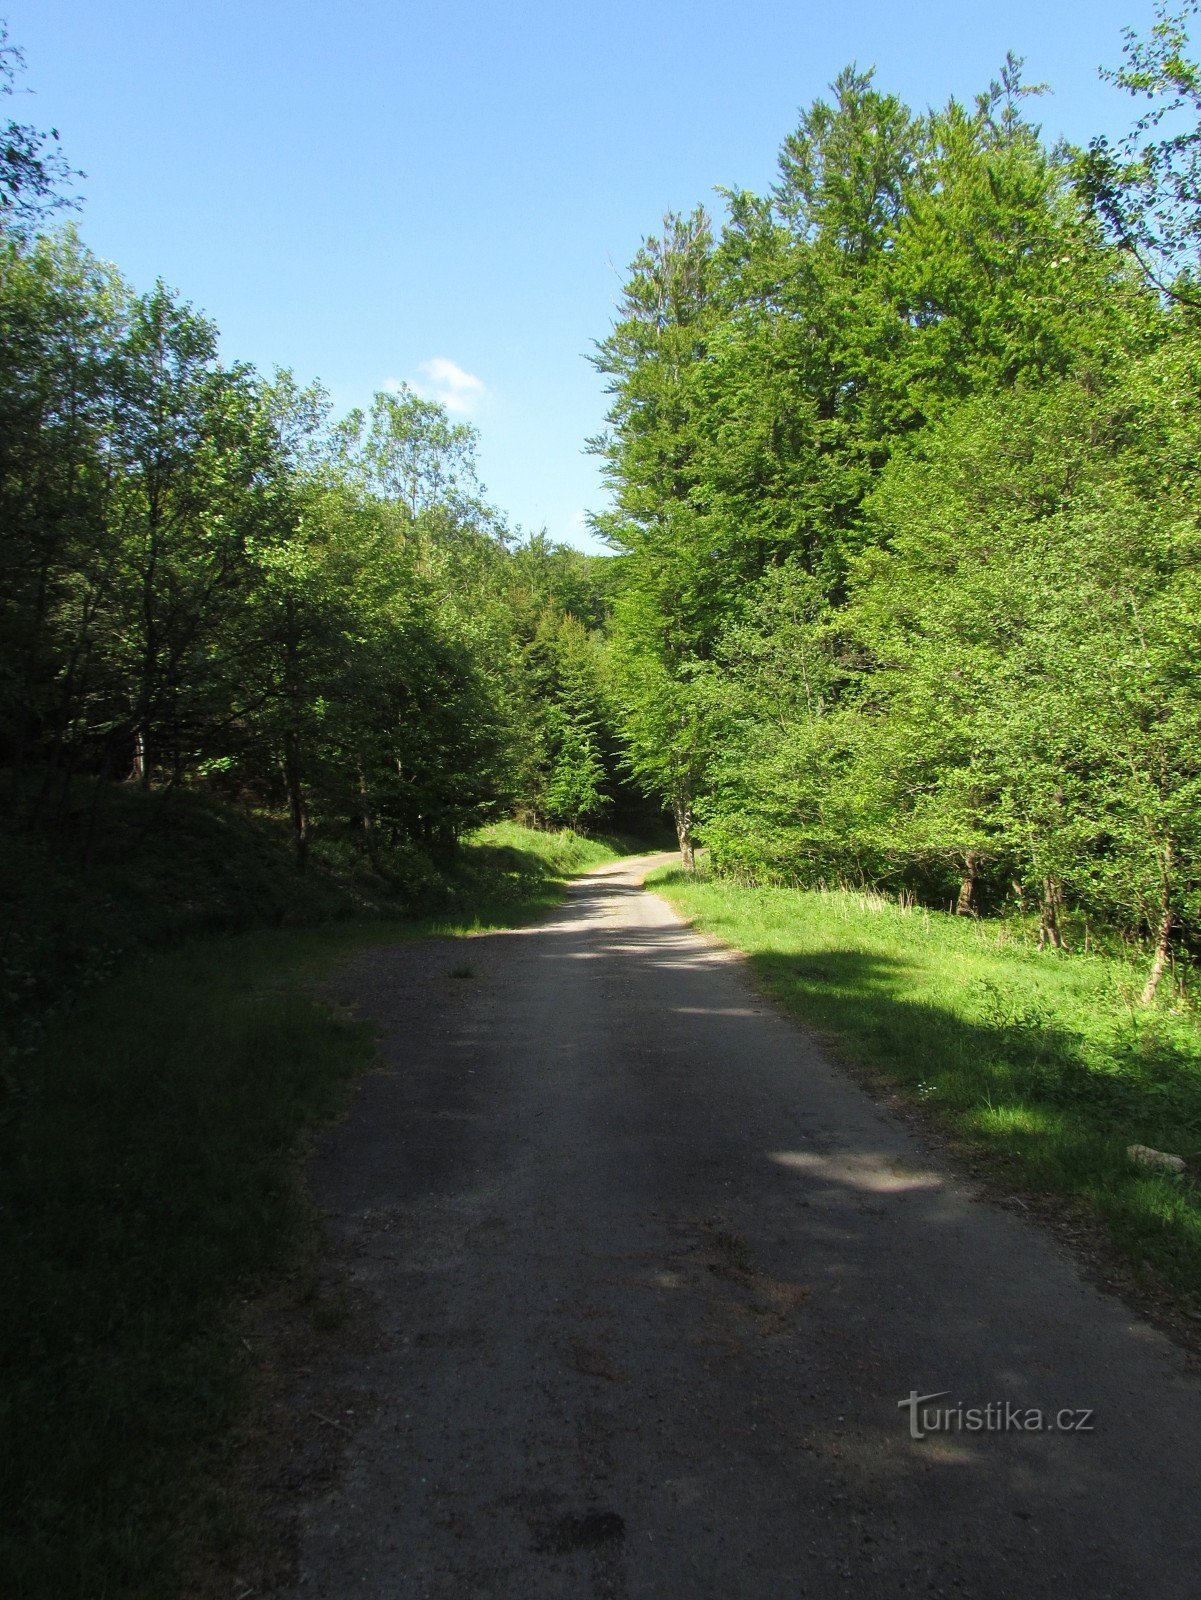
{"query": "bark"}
(682, 811)
(293, 765)
(370, 841)
(98, 793)
(1049, 932)
(1163, 942)
(297, 809)
(965, 906)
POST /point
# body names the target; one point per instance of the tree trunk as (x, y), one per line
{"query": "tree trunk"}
(368, 819)
(964, 906)
(682, 811)
(89, 843)
(293, 765)
(296, 806)
(1049, 931)
(1163, 943)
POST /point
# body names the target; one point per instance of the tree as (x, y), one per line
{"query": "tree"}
(1147, 188)
(998, 275)
(777, 806)
(32, 164)
(1031, 629)
(196, 453)
(649, 457)
(410, 452)
(62, 314)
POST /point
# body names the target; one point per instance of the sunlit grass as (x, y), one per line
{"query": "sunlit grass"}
(1045, 1062)
(1013, 1121)
(563, 850)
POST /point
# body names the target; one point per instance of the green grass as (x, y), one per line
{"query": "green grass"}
(160, 872)
(165, 871)
(559, 854)
(148, 1177)
(1044, 1063)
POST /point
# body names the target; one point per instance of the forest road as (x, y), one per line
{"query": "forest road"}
(643, 1279)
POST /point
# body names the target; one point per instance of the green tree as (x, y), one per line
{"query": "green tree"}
(649, 455)
(1031, 629)
(33, 168)
(62, 314)
(196, 454)
(1147, 187)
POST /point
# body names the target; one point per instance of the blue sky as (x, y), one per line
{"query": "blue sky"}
(447, 193)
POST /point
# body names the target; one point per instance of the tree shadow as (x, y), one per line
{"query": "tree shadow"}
(1150, 1083)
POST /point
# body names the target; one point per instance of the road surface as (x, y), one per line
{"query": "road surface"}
(644, 1281)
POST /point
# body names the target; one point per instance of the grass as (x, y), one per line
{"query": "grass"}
(162, 871)
(564, 852)
(148, 1178)
(1044, 1063)
(145, 1174)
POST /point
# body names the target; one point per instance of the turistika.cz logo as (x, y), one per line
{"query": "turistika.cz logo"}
(998, 1416)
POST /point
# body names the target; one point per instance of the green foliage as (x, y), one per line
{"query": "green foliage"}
(651, 455)
(214, 585)
(903, 464)
(1147, 188)
(1012, 546)
(566, 782)
(32, 165)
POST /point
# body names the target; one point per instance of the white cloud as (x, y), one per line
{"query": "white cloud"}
(579, 533)
(446, 382)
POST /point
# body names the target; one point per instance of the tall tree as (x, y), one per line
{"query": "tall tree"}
(650, 461)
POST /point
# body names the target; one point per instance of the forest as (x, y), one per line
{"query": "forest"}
(904, 459)
(222, 601)
(899, 628)
(904, 583)
(213, 582)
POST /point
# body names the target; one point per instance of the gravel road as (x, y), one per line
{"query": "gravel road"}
(642, 1280)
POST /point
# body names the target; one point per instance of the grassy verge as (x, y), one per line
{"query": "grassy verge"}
(165, 870)
(147, 1177)
(1044, 1063)
(525, 852)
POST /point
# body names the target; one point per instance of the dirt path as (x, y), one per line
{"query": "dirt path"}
(646, 1278)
